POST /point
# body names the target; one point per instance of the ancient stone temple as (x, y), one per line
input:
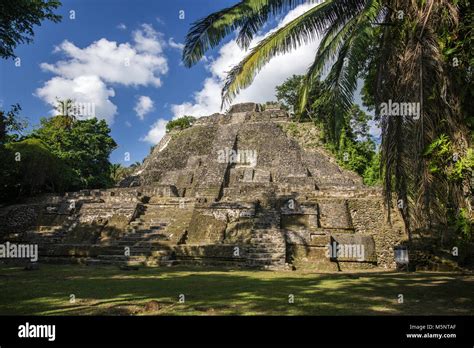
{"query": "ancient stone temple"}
(248, 188)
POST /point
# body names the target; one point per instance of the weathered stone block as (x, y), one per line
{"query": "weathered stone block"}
(334, 215)
(244, 107)
(248, 175)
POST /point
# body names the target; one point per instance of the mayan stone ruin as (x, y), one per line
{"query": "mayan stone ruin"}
(243, 188)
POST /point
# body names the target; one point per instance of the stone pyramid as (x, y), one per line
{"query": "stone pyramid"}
(241, 189)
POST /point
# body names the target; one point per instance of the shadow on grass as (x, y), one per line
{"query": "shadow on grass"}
(110, 291)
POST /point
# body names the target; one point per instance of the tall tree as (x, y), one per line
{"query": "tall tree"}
(32, 168)
(11, 124)
(84, 146)
(17, 19)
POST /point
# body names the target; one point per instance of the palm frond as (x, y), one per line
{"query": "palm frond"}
(327, 51)
(350, 45)
(251, 27)
(333, 40)
(301, 30)
(208, 32)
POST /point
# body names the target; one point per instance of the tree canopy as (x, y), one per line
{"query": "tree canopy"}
(17, 19)
(62, 154)
(84, 145)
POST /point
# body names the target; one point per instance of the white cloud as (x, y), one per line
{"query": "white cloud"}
(113, 63)
(208, 100)
(156, 132)
(121, 26)
(174, 44)
(140, 63)
(148, 40)
(83, 89)
(143, 106)
(205, 102)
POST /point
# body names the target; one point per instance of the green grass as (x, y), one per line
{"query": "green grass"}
(209, 291)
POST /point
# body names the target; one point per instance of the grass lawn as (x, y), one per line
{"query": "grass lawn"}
(213, 291)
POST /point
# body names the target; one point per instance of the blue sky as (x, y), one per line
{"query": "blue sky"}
(124, 57)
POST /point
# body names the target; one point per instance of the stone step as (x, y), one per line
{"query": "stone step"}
(267, 240)
(151, 219)
(145, 235)
(139, 229)
(46, 241)
(266, 249)
(61, 260)
(159, 261)
(265, 261)
(143, 243)
(153, 238)
(154, 243)
(119, 262)
(256, 256)
(138, 249)
(122, 258)
(263, 226)
(267, 233)
(99, 262)
(141, 226)
(210, 262)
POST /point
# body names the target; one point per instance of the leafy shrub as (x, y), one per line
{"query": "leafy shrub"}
(83, 145)
(31, 168)
(180, 123)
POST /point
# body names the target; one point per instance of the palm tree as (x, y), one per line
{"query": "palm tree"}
(66, 110)
(117, 172)
(394, 45)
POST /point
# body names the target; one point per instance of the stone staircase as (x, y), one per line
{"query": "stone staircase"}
(45, 235)
(144, 244)
(267, 244)
(267, 250)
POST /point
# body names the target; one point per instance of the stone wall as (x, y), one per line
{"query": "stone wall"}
(369, 218)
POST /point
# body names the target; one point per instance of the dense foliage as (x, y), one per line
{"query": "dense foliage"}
(355, 149)
(33, 168)
(17, 19)
(84, 145)
(11, 125)
(61, 154)
(180, 123)
(119, 172)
